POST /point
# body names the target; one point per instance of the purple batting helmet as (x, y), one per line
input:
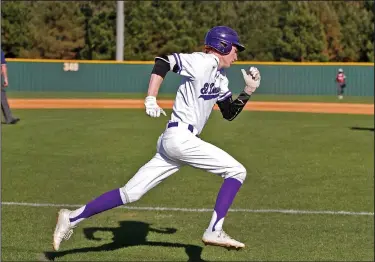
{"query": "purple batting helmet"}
(222, 38)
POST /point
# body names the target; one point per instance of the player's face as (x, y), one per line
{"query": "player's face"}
(230, 58)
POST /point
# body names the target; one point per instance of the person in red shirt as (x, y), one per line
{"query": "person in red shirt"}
(341, 83)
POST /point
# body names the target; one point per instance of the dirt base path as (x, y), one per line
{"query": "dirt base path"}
(333, 108)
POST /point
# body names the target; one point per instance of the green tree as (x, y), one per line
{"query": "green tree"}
(332, 29)
(56, 30)
(138, 31)
(15, 21)
(154, 28)
(303, 34)
(202, 18)
(271, 31)
(100, 30)
(366, 28)
(357, 31)
(370, 7)
(257, 24)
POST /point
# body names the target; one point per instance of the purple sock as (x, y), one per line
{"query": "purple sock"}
(224, 200)
(100, 204)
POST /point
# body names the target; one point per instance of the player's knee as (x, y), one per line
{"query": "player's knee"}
(238, 172)
(130, 195)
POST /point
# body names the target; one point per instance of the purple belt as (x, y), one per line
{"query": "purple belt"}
(173, 124)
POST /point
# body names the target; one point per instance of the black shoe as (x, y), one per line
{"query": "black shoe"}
(14, 121)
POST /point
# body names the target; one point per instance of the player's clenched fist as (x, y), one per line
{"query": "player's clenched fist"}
(152, 108)
(252, 79)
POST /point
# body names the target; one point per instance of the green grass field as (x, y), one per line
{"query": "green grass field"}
(295, 161)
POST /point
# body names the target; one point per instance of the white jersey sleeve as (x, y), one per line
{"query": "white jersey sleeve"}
(224, 87)
(190, 65)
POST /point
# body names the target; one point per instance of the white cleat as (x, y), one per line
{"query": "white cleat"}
(220, 238)
(63, 228)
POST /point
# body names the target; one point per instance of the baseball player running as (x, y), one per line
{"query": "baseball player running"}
(203, 84)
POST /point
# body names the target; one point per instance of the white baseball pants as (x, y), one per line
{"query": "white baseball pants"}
(176, 147)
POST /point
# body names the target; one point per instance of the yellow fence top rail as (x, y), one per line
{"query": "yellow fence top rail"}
(152, 62)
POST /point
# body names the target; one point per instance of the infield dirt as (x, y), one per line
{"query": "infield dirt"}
(333, 108)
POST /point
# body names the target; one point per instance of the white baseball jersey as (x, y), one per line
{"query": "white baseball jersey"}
(202, 85)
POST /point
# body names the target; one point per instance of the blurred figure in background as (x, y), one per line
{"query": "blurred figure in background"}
(9, 119)
(341, 83)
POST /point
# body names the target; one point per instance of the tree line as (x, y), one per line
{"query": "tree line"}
(334, 31)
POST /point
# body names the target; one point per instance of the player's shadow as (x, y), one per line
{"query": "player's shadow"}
(128, 234)
(362, 128)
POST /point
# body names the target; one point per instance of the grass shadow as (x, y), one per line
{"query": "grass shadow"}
(128, 234)
(362, 128)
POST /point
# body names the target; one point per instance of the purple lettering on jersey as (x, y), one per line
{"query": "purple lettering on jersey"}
(209, 91)
(208, 97)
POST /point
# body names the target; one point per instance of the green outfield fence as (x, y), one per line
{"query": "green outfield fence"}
(133, 76)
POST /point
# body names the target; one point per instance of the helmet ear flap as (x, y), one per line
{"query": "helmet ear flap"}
(223, 44)
(225, 47)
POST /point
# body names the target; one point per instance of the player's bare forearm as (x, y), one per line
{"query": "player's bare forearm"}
(4, 71)
(230, 109)
(154, 85)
